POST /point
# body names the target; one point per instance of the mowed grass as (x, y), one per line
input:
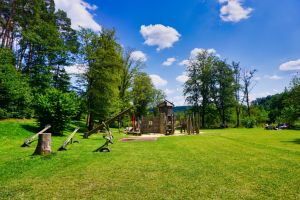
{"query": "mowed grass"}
(219, 164)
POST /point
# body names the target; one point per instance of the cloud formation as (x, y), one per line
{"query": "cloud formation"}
(138, 56)
(184, 62)
(194, 53)
(159, 35)
(233, 11)
(178, 100)
(290, 66)
(169, 62)
(158, 81)
(182, 78)
(273, 77)
(79, 13)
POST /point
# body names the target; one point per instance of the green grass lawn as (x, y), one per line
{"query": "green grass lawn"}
(220, 164)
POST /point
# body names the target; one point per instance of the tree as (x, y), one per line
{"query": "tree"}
(142, 93)
(102, 56)
(197, 88)
(237, 91)
(291, 110)
(247, 79)
(57, 109)
(158, 97)
(222, 89)
(15, 93)
(42, 39)
(130, 68)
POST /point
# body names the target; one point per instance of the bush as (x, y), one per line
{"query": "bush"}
(249, 122)
(15, 93)
(56, 108)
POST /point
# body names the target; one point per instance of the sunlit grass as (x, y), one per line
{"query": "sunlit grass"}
(219, 164)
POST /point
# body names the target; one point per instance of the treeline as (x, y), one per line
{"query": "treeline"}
(220, 95)
(37, 44)
(283, 107)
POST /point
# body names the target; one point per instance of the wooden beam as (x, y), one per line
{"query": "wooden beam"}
(29, 140)
(65, 144)
(87, 134)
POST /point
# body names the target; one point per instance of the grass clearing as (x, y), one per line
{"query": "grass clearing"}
(220, 164)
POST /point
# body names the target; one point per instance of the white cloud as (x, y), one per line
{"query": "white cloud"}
(157, 80)
(79, 13)
(273, 77)
(290, 66)
(76, 69)
(159, 35)
(138, 56)
(169, 91)
(256, 78)
(178, 100)
(233, 11)
(182, 78)
(196, 51)
(184, 63)
(169, 62)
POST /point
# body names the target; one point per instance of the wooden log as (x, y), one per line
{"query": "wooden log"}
(87, 134)
(29, 140)
(44, 144)
(69, 140)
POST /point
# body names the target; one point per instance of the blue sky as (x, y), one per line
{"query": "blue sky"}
(262, 35)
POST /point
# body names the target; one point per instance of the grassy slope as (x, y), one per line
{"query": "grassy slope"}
(221, 164)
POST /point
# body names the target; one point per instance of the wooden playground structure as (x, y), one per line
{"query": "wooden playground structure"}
(162, 123)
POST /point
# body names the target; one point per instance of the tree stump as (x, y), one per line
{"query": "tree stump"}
(44, 144)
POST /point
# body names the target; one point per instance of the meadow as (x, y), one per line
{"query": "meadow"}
(218, 164)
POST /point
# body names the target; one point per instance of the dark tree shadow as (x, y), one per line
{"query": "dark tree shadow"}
(31, 128)
(295, 141)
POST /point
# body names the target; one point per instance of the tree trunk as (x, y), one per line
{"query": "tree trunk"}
(91, 122)
(44, 144)
(237, 117)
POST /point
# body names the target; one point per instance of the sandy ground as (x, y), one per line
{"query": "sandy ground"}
(151, 136)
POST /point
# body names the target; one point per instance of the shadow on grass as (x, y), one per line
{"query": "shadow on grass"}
(31, 128)
(295, 141)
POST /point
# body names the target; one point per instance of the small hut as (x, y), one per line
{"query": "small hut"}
(163, 123)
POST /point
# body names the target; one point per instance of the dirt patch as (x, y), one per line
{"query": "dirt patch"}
(138, 139)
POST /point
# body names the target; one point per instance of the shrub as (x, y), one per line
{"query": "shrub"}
(249, 122)
(56, 108)
(15, 93)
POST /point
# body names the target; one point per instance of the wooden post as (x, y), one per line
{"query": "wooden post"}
(44, 144)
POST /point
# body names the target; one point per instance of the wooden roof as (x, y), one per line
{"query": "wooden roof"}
(166, 103)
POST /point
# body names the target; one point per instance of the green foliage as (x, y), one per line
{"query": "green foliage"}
(15, 94)
(102, 54)
(130, 68)
(283, 107)
(45, 40)
(210, 87)
(142, 93)
(56, 108)
(249, 122)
